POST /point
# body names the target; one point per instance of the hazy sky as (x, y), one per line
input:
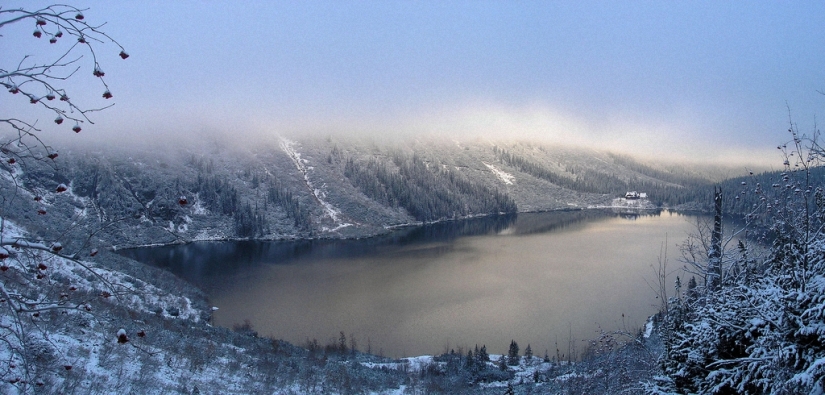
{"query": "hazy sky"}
(694, 78)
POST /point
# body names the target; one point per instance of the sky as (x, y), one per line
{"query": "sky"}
(680, 79)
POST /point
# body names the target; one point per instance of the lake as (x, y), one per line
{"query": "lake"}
(545, 279)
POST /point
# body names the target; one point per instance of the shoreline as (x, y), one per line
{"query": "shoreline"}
(390, 228)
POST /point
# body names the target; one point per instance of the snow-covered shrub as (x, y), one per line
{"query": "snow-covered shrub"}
(763, 330)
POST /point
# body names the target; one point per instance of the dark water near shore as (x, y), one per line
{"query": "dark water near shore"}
(538, 278)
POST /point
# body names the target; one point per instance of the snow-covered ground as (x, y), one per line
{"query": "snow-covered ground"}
(505, 177)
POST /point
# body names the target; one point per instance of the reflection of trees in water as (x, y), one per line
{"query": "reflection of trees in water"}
(536, 223)
(629, 213)
(201, 261)
(450, 230)
(204, 263)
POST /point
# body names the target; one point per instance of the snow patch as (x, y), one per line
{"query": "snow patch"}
(198, 208)
(505, 177)
(11, 231)
(648, 328)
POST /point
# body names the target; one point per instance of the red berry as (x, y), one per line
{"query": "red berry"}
(42, 266)
(14, 89)
(123, 55)
(53, 154)
(107, 95)
(105, 294)
(58, 121)
(41, 22)
(76, 128)
(58, 34)
(33, 99)
(141, 334)
(37, 33)
(41, 211)
(52, 40)
(79, 16)
(93, 252)
(3, 268)
(64, 98)
(182, 201)
(81, 40)
(98, 72)
(61, 188)
(12, 161)
(56, 247)
(50, 97)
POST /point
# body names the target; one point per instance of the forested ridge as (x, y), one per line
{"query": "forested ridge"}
(662, 187)
(427, 194)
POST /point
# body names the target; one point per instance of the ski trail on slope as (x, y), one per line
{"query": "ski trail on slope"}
(288, 146)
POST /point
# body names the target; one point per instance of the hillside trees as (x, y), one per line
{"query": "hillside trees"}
(669, 189)
(428, 194)
(283, 197)
(34, 290)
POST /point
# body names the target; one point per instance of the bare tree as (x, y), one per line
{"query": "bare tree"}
(31, 298)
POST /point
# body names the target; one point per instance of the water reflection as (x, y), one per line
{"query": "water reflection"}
(532, 277)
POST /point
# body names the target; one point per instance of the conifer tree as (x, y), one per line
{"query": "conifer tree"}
(482, 354)
(512, 354)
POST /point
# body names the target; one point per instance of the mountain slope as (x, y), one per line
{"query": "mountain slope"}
(329, 187)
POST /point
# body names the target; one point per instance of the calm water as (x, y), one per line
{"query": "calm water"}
(536, 278)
